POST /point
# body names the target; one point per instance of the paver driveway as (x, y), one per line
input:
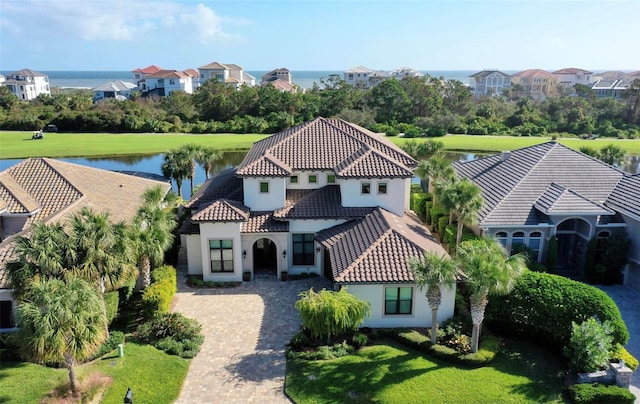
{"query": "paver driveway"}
(246, 328)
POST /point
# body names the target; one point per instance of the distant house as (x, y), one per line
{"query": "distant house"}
(230, 74)
(49, 190)
(377, 77)
(613, 84)
(358, 77)
(139, 75)
(326, 197)
(403, 72)
(281, 79)
(120, 90)
(164, 82)
(536, 84)
(571, 76)
(27, 84)
(195, 77)
(489, 82)
(537, 193)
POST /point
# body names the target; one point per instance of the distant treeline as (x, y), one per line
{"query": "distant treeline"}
(416, 106)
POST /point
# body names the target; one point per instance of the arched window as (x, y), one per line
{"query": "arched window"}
(535, 240)
(501, 236)
(516, 239)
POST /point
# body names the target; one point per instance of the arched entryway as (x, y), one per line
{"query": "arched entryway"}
(265, 259)
(573, 236)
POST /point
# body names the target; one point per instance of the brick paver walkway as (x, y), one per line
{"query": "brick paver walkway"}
(246, 328)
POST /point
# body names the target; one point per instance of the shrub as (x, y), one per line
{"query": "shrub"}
(111, 300)
(324, 352)
(173, 333)
(9, 347)
(157, 297)
(442, 225)
(589, 346)
(115, 338)
(552, 255)
(358, 340)
(489, 346)
(413, 339)
(418, 203)
(164, 273)
(543, 306)
(299, 341)
(435, 213)
(450, 233)
(595, 393)
(620, 353)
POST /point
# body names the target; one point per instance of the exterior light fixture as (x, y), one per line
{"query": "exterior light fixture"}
(284, 253)
(317, 249)
(244, 254)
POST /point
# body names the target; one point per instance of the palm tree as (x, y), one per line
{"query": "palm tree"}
(489, 270)
(433, 271)
(62, 323)
(463, 199)
(422, 150)
(151, 234)
(190, 152)
(207, 157)
(437, 168)
(176, 167)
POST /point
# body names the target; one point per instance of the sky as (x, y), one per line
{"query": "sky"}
(46, 35)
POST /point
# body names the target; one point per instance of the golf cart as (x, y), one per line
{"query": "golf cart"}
(37, 135)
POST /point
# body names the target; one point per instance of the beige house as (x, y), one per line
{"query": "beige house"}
(230, 74)
(536, 84)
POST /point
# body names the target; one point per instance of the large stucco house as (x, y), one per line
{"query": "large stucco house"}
(490, 82)
(27, 84)
(549, 190)
(325, 197)
(49, 190)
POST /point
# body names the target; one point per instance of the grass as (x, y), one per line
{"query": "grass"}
(15, 145)
(391, 373)
(154, 377)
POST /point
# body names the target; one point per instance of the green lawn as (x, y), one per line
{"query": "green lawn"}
(20, 144)
(390, 373)
(153, 376)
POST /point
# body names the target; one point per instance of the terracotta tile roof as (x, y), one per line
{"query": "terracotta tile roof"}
(61, 189)
(322, 203)
(511, 185)
(213, 66)
(164, 74)
(361, 164)
(534, 73)
(191, 72)
(263, 222)
(325, 144)
(148, 70)
(377, 247)
(222, 210)
(572, 70)
(557, 200)
(224, 185)
(625, 197)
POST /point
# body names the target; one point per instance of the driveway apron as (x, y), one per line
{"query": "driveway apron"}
(246, 328)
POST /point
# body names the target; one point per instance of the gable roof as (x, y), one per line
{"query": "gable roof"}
(322, 203)
(326, 144)
(163, 74)
(224, 185)
(116, 86)
(377, 248)
(557, 200)
(359, 69)
(486, 73)
(50, 190)
(572, 70)
(512, 182)
(625, 197)
(214, 66)
(27, 73)
(533, 73)
(222, 210)
(148, 70)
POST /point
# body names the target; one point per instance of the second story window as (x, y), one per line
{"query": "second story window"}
(365, 188)
(293, 179)
(313, 179)
(264, 187)
(382, 188)
(331, 179)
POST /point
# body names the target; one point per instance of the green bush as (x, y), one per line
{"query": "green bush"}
(115, 338)
(443, 221)
(435, 213)
(164, 273)
(418, 203)
(542, 306)
(595, 393)
(323, 352)
(487, 351)
(111, 300)
(551, 259)
(589, 347)
(620, 353)
(174, 334)
(413, 339)
(156, 298)
(450, 233)
(358, 340)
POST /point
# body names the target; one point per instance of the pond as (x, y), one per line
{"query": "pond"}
(152, 163)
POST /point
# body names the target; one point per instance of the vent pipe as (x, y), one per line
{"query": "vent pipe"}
(505, 155)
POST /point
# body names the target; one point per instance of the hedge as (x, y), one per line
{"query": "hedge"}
(542, 306)
(157, 297)
(443, 221)
(596, 393)
(435, 213)
(111, 300)
(418, 203)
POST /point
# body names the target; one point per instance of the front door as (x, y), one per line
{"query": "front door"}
(265, 257)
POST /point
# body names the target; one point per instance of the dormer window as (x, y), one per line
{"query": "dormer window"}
(293, 179)
(365, 188)
(264, 187)
(331, 179)
(313, 179)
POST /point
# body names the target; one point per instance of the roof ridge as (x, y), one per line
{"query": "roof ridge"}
(232, 205)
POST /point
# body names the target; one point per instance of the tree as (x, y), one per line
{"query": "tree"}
(489, 271)
(433, 271)
(464, 199)
(207, 156)
(632, 97)
(422, 150)
(62, 323)
(612, 155)
(390, 102)
(436, 168)
(326, 313)
(176, 166)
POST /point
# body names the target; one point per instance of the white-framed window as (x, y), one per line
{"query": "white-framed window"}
(293, 179)
(264, 187)
(303, 249)
(535, 241)
(501, 236)
(398, 300)
(517, 238)
(365, 188)
(221, 255)
(382, 188)
(331, 179)
(313, 179)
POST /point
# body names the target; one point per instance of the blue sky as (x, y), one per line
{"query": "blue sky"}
(319, 35)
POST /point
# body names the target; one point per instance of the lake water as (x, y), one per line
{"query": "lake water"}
(152, 163)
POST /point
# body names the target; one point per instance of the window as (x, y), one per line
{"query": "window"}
(382, 188)
(293, 179)
(516, 239)
(221, 253)
(6, 319)
(331, 179)
(398, 300)
(303, 249)
(313, 179)
(502, 238)
(172, 82)
(365, 188)
(264, 187)
(535, 240)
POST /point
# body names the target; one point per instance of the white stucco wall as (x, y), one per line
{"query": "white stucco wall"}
(420, 312)
(632, 269)
(194, 253)
(221, 231)
(395, 200)
(272, 200)
(303, 179)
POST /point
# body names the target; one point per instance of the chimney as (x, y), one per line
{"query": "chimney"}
(505, 155)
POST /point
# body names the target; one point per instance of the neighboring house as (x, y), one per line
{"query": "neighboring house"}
(195, 77)
(281, 79)
(139, 75)
(403, 72)
(325, 197)
(48, 190)
(27, 84)
(230, 74)
(535, 83)
(120, 90)
(549, 190)
(571, 76)
(613, 84)
(358, 77)
(164, 82)
(378, 77)
(489, 82)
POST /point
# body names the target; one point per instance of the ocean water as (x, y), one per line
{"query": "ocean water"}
(304, 79)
